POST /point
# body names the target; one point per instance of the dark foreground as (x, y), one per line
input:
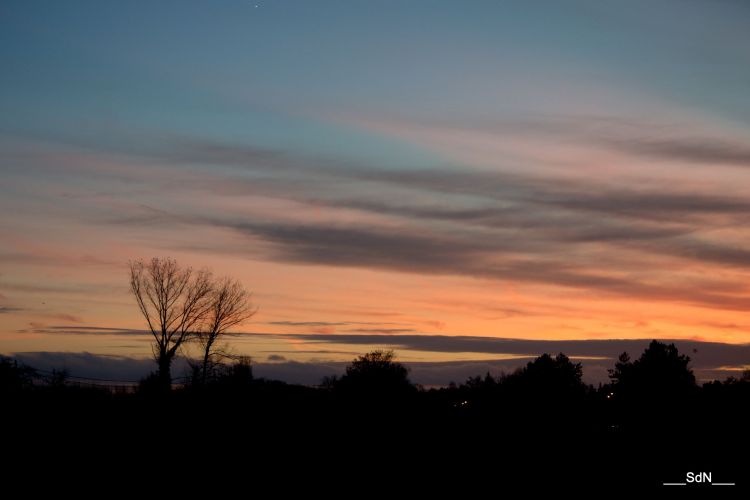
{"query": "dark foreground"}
(534, 430)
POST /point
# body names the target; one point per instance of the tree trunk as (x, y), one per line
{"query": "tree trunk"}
(205, 366)
(207, 357)
(165, 371)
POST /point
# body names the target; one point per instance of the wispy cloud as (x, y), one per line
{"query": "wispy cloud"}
(307, 323)
(706, 354)
(402, 250)
(584, 233)
(382, 330)
(647, 241)
(698, 150)
(84, 330)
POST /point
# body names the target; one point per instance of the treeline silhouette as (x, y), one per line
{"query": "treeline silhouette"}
(651, 411)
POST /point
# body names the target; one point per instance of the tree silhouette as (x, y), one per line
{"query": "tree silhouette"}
(173, 300)
(375, 375)
(661, 372)
(556, 377)
(229, 306)
(238, 374)
(545, 383)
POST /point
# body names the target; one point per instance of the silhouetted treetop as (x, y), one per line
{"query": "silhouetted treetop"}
(551, 377)
(375, 372)
(660, 371)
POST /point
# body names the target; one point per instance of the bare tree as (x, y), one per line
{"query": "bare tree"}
(229, 306)
(174, 300)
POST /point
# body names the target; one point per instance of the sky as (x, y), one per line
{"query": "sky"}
(540, 171)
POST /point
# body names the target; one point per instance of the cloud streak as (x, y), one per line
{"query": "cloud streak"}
(402, 250)
(710, 360)
(709, 354)
(701, 151)
(588, 233)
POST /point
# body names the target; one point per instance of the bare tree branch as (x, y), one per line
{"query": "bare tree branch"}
(229, 307)
(174, 301)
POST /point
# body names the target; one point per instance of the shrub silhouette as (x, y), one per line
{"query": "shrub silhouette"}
(549, 378)
(374, 375)
(14, 376)
(238, 374)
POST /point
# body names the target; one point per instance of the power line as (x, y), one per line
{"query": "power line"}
(95, 379)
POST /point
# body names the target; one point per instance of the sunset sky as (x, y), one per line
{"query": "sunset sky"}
(573, 170)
